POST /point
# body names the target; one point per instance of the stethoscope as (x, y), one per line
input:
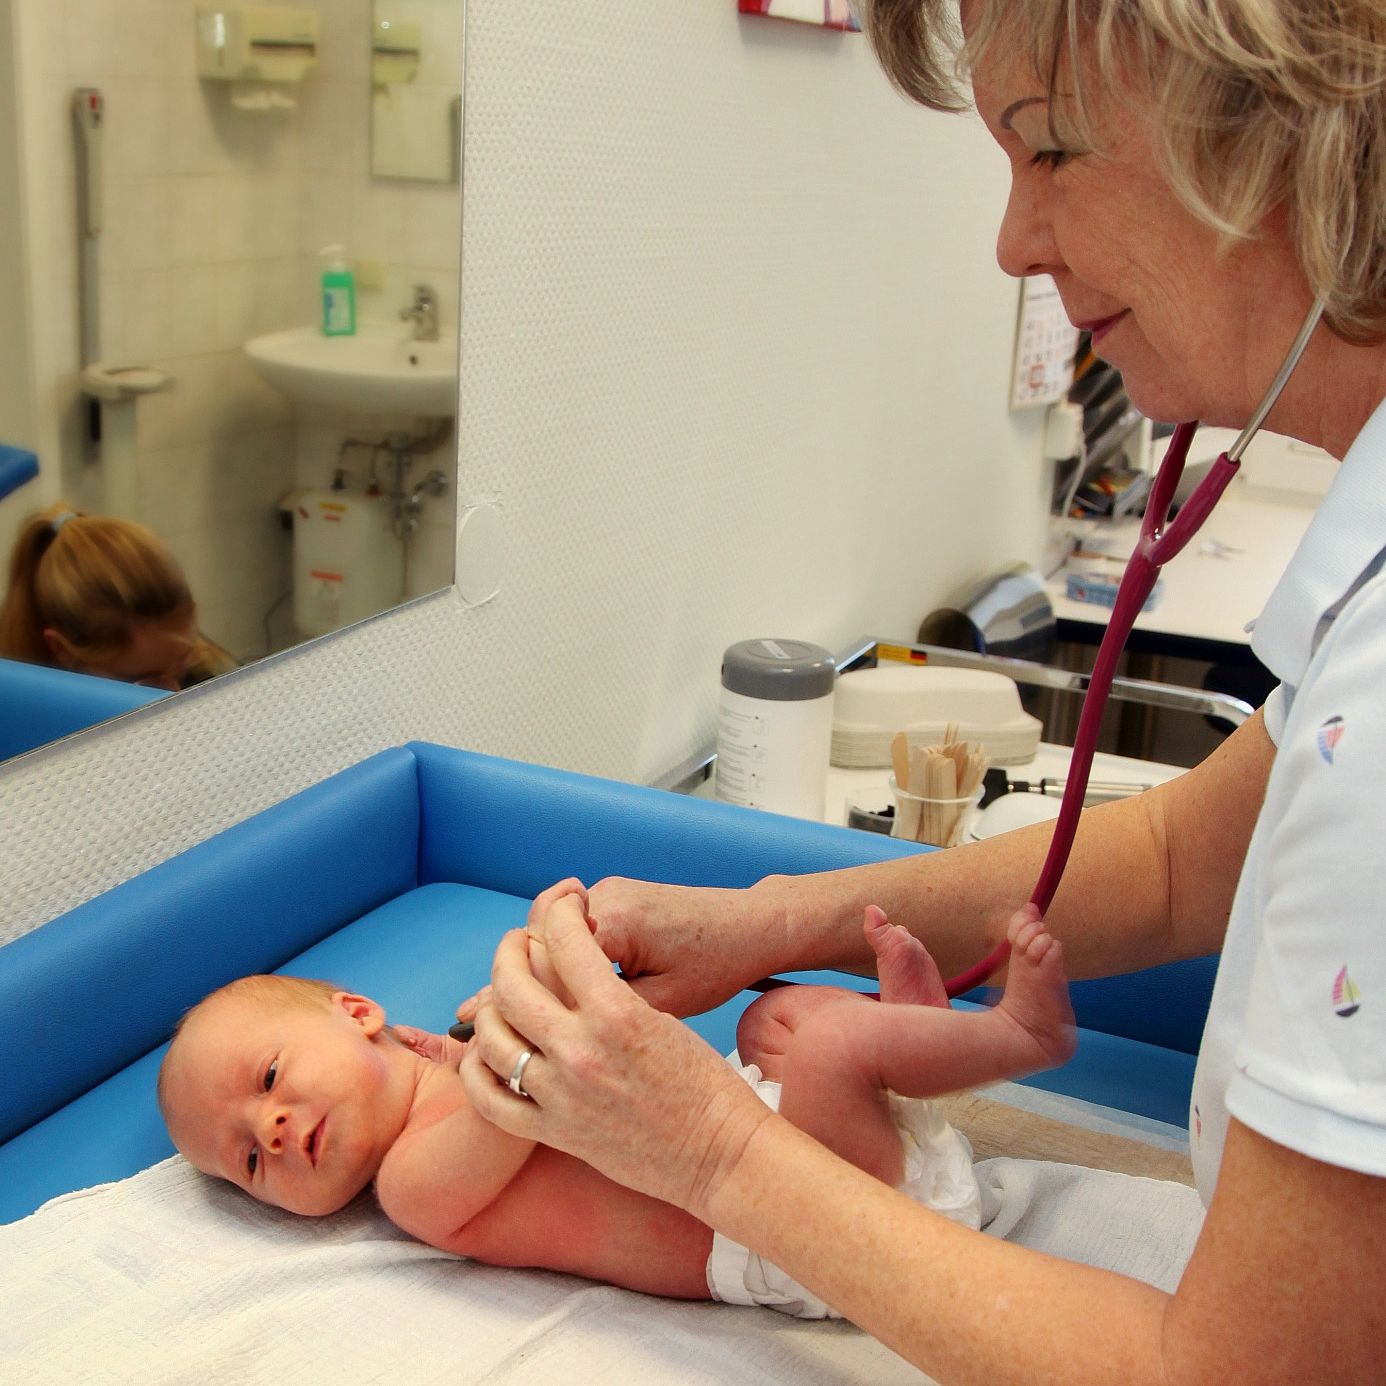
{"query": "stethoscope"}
(1161, 538)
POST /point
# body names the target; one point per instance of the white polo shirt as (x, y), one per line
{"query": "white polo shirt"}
(1295, 1045)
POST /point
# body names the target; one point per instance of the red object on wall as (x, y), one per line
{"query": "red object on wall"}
(829, 14)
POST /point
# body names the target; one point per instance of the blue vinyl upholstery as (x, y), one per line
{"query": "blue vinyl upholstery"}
(396, 878)
(98, 987)
(38, 705)
(17, 465)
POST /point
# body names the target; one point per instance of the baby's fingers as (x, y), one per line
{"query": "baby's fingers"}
(468, 1009)
(569, 886)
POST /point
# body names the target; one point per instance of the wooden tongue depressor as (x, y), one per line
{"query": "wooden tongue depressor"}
(900, 759)
(949, 770)
(907, 810)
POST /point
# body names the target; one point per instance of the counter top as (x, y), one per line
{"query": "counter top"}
(1219, 582)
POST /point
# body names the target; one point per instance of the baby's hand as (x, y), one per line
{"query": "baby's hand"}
(438, 1049)
(538, 953)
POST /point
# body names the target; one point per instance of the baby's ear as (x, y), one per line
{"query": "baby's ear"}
(368, 1014)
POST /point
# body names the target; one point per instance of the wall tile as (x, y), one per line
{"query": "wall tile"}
(196, 210)
(149, 334)
(135, 127)
(194, 309)
(141, 206)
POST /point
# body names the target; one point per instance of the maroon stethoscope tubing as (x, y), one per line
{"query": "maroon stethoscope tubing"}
(1160, 539)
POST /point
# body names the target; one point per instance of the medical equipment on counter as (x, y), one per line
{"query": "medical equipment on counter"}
(920, 701)
(935, 787)
(1161, 539)
(774, 726)
(998, 784)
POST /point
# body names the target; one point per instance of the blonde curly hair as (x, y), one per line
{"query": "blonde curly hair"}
(1259, 104)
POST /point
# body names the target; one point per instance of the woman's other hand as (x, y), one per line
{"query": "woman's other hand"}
(612, 1081)
(683, 949)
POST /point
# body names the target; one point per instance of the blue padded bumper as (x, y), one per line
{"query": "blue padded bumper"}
(396, 878)
(39, 705)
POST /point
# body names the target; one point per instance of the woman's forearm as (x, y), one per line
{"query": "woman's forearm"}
(957, 902)
(1150, 878)
(960, 1305)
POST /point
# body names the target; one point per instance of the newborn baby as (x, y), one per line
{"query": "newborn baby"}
(301, 1094)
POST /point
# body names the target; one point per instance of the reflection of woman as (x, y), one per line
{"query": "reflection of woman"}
(103, 596)
(1193, 174)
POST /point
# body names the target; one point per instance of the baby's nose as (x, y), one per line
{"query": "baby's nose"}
(277, 1131)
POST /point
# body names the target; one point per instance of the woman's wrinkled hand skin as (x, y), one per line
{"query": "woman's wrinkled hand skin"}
(622, 1086)
(684, 949)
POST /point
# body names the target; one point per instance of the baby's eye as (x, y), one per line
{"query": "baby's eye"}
(269, 1074)
(252, 1161)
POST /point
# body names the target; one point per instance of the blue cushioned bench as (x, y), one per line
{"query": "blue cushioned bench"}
(396, 877)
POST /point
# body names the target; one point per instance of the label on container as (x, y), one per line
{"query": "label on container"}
(336, 311)
(774, 755)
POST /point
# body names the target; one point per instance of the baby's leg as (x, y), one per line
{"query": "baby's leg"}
(820, 1092)
(842, 1063)
(769, 1023)
(906, 971)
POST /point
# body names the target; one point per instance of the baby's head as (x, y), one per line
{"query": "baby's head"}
(289, 1088)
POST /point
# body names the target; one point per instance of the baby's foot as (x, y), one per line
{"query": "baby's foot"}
(908, 974)
(1036, 995)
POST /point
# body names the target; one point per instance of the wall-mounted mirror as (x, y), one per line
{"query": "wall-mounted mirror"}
(176, 197)
(416, 101)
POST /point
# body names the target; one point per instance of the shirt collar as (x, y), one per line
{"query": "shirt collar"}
(1345, 536)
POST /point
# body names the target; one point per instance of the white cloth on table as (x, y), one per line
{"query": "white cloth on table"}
(1295, 1044)
(172, 1277)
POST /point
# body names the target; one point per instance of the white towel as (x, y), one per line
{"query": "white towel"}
(171, 1277)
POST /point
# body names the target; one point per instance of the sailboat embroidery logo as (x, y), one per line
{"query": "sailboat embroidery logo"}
(1330, 734)
(1346, 998)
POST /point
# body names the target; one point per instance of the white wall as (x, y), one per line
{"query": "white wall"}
(735, 354)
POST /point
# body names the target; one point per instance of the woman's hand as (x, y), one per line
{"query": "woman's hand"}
(627, 1089)
(683, 949)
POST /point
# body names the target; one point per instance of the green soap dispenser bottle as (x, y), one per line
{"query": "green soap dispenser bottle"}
(338, 294)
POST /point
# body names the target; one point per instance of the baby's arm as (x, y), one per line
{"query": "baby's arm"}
(451, 1164)
(447, 1167)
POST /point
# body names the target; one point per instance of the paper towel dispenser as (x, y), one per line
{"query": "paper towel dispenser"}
(254, 43)
(396, 47)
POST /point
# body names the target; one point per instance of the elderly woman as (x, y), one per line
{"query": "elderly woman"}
(1196, 175)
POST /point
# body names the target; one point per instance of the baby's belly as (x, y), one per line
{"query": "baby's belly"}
(560, 1214)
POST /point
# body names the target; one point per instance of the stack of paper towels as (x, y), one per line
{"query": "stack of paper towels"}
(871, 705)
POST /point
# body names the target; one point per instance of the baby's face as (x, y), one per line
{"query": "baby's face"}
(296, 1105)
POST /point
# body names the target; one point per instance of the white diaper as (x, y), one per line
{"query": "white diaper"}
(938, 1174)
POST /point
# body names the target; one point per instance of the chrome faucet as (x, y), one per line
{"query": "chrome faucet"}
(423, 313)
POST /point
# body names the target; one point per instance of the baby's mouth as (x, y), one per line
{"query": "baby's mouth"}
(314, 1146)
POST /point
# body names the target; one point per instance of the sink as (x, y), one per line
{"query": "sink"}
(379, 370)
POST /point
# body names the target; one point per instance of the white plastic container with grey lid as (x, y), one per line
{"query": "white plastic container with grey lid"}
(775, 726)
